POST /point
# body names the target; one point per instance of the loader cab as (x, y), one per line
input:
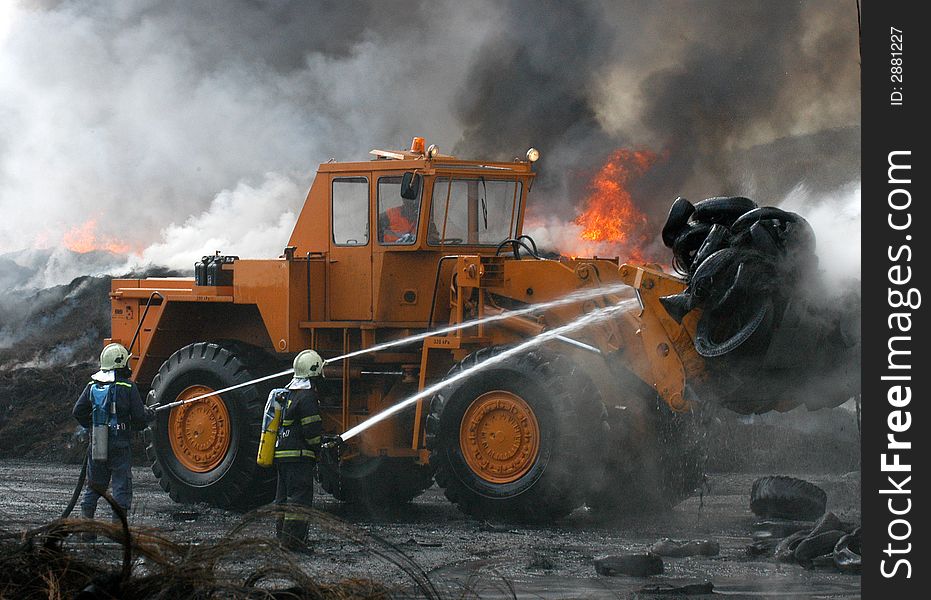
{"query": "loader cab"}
(388, 223)
(473, 210)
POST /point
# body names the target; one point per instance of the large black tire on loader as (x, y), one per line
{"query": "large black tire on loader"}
(375, 482)
(652, 458)
(515, 440)
(206, 451)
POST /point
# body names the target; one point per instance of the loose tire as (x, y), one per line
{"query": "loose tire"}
(787, 498)
(205, 451)
(375, 482)
(514, 440)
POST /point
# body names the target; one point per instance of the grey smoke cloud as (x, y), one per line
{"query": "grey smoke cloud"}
(180, 126)
(139, 114)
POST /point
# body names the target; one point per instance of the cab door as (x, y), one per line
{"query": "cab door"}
(350, 256)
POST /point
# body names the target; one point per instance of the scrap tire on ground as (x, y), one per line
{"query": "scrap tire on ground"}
(787, 498)
(207, 452)
(375, 482)
(514, 441)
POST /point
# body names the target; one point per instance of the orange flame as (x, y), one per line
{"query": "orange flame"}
(611, 224)
(84, 238)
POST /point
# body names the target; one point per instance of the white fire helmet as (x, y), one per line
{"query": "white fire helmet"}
(307, 364)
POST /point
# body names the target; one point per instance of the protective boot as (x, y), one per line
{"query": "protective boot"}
(115, 519)
(88, 536)
(294, 535)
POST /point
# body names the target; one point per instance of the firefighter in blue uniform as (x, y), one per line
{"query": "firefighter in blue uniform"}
(110, 393)
(297, 447)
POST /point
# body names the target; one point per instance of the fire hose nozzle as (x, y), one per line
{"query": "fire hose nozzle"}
(330, 449)
(330, 444)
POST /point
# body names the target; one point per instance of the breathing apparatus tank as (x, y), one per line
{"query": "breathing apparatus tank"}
(103, 414)
(270, 424)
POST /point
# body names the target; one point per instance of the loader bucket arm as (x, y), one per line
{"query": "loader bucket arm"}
(667, 345)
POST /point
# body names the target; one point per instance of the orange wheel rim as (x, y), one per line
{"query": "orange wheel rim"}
(199, 431)
(499, 437)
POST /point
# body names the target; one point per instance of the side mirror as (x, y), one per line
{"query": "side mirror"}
(410, 185)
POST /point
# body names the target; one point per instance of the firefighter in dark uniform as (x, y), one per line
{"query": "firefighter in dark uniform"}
(127, 414)
(297, 448)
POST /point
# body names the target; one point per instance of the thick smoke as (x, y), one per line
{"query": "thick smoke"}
(138, 114)
(253, 227)
(722, 90)
(835, 218)
(182, 128)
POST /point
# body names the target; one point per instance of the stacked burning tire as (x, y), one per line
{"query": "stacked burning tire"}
(766, 317)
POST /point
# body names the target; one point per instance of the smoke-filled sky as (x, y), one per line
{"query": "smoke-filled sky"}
(181, 127)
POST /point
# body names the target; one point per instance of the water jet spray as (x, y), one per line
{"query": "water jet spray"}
(572, 298)
(554, 334)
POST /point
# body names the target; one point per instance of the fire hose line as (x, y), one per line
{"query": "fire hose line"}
(77, 490)
(569, 299)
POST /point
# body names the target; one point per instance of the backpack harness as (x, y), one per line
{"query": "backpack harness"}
(103, 404)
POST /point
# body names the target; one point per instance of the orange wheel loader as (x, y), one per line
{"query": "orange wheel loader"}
(402, 244)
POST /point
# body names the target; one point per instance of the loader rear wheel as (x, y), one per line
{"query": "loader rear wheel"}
(199, 432)
(205, 451)
(514, 441)
(375, 482)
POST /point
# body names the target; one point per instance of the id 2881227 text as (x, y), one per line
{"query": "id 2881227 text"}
(896, 67)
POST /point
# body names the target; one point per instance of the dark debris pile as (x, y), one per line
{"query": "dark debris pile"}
(797, 529)
(35, 411)
(767, 318)
(830, 543)
(50, 340)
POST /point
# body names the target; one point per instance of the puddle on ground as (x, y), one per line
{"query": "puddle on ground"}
(485, 581)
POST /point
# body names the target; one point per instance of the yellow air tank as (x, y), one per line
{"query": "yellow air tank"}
(270, 423)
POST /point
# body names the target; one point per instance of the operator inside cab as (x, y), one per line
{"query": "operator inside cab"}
(397, 217)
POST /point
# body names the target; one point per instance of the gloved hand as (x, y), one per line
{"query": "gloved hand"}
(81, 435)
(150, 413)
(330, 449)
(407, 238)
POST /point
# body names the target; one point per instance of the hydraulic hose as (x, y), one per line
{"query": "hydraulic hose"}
(148, 304)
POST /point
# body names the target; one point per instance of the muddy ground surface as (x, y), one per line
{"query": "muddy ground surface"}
(460, 553)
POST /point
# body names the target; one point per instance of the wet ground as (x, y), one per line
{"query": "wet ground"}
(492, 559)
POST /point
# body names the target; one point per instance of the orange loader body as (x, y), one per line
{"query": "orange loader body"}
(499, 443)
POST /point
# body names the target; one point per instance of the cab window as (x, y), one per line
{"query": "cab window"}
(473, 211)
(397, 216)
(350, 196)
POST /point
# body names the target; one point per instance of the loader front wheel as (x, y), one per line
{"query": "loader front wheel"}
(499, 437)
(653, 458)
(514, 441)
(205, 451)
